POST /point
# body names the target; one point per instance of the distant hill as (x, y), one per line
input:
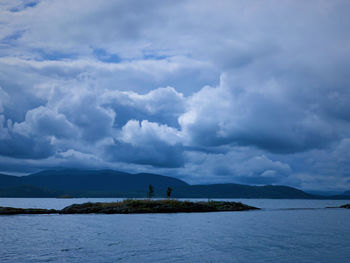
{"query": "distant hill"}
(100, 180)
(29, 191)
(242, 191)
(109, 183)
(92, 183)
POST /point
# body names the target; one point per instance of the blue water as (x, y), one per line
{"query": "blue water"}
(273, 234)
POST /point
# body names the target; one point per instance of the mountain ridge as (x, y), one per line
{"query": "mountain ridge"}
(111, 183)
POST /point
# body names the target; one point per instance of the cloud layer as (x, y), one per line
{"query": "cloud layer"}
(241, 92)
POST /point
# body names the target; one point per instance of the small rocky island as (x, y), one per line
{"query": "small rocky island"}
(131, 206)
(347, 206)
(26, 211)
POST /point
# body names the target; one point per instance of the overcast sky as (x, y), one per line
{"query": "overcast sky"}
(251, 92)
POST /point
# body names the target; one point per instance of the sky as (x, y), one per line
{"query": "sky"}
(251, 92)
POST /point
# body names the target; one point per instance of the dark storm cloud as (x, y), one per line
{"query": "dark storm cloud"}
(18, 146)
(257, 115)
(249, 92)
(158, 154)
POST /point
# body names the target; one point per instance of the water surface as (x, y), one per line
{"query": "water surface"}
(269, 235)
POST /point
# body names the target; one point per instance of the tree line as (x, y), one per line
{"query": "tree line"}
(150, 192)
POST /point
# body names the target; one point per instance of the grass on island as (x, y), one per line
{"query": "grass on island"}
(134, 206)
(156, 206)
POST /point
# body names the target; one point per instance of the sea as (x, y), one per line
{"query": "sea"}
(282, 231)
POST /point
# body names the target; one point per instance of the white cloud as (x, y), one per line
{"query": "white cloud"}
(42, 121)
(4, 99)
(238, 165)
(3, 129)
(253, 114)
(162, 105)
(243, 91)
(145, 132)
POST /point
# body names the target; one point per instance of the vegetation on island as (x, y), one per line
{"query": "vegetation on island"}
(168, 192)
(150, 193)
(132, 206)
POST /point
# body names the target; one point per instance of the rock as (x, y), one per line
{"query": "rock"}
(135, 207)
(17, 211)
(154, 206)
(345, 206)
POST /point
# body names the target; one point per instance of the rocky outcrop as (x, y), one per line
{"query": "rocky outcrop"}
(345, 206)
(154, 206)
(136, 207)
(17, 211)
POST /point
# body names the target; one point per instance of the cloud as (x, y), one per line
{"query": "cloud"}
(161, 105)
(4, 99)
(146, 132)
(324, 168)
(148, 143)
(3, 128)
(253, 115)
(94, 121)
(240, 92)
(19, 146)
(238, 165)
(42, 121)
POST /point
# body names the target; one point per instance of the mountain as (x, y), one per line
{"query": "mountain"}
(29, 191)
(242, 191)
(9, 181)
(94, 183)
(109, 183)
(100, 180)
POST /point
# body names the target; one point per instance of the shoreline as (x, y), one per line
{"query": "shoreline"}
(131, 206)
